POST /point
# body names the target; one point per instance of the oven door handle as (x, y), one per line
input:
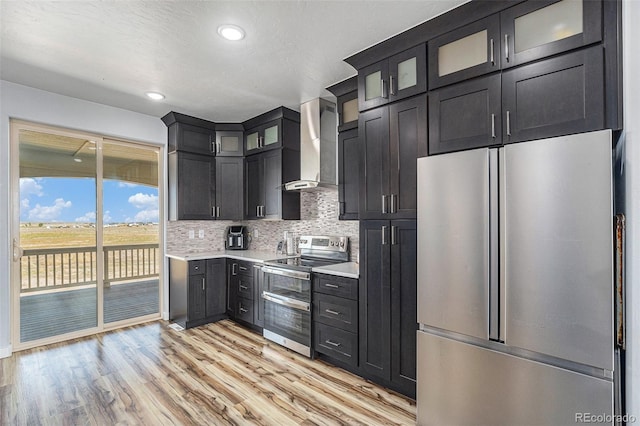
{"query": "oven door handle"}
(286, 301)
(286, 273)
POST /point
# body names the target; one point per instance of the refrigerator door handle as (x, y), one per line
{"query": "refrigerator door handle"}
(494, 247)
(503, 241)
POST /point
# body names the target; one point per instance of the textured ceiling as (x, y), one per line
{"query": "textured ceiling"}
(112, 52)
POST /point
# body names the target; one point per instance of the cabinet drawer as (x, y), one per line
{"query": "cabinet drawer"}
(336, 311)
(244, 310)
(241, 267)
(244, 286)
(197, 267)
(339, 344)
(336, 286)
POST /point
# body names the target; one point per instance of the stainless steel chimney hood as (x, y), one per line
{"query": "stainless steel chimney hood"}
(318, 147)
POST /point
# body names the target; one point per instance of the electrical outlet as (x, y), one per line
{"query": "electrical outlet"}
(192, 234)
(201, 233)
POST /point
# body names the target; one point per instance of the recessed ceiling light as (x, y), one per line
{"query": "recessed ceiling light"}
(155, 96)
(231, 32)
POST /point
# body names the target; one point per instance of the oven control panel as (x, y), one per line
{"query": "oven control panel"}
(324, 243)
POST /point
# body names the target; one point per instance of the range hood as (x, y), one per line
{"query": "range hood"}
(318, 147)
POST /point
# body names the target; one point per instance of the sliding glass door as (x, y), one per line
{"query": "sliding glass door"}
(86, 232)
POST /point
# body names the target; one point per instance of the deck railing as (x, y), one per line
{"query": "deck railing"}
(57, 268)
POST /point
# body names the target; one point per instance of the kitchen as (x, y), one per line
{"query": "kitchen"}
(217, 234)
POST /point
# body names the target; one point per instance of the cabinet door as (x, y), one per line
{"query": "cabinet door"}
(272, 134)
(375, 296)
(229, 143)
(252, 140)
(348, 174)
(253, 186)
(373, 89)
(408, 141)
(216, 288)
(232, 284)
(408, 73)
(272, 178)
(554, 97)
(537, 29)
(465, 115)
(373, 129)
(464, 53)
(258, 302)
(403, 304)
(192, 183)
(189, 138)
(197, 304)
(229, 191)
(348, 111)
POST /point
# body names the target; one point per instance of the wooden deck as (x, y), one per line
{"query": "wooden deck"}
(58, 312)
(218, 374)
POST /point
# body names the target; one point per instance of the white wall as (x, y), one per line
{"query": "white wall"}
(34, 105)
(631, 16)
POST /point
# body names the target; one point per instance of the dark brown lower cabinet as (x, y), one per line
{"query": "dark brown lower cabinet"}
(197, 291)
(387, 303)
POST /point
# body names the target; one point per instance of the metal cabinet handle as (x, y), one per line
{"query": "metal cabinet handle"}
(218, 211)
(508, 123)
(234, 269)
(218, 147)
(506, 47)
(392, 92)
(384, 204)
(491, 55)
(383, 89)
(331, 285)
(203, 279)
(332, 312)
(329, 342)
(392, 203)
(493, 126)
(213, 146)
(243, 268)
(243, 310)
(243, 287)
(384, 235)
(394, 237)
(213, 212)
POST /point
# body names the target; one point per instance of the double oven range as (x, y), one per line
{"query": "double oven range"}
(287, 290)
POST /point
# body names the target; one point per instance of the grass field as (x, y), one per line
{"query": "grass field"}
(56, 235)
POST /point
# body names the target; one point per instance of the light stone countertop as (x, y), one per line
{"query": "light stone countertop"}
(249, 255)
(347, 269)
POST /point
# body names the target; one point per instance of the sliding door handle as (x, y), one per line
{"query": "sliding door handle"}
(18, 252)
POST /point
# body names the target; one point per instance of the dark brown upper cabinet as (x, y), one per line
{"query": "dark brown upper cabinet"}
(558, 96)
(190, 134)
(391, 138)
(465, 115)
(279, 128)
(229, 140)
(538, 29)
(392, 79)
(464, 53)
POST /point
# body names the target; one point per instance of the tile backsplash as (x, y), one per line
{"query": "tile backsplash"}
(318, 216)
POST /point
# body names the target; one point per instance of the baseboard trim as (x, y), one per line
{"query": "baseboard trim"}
(6, 352)
(165, 315)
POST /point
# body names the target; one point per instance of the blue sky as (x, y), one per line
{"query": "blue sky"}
(74, 200)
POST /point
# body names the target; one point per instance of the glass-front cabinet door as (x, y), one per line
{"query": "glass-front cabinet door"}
(464, 53)
(229, 143)
(398, 77)
(266, 136)
(534, 30)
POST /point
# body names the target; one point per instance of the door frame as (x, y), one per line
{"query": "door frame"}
(15, 126)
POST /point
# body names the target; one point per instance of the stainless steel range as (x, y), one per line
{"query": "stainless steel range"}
(287, 290)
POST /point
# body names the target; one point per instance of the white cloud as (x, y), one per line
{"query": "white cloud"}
(88, 217)
(147, 216)
(24, 204)
(144, 201)
(30, 186)
(49, 213)
(106, 217)
(126, 185)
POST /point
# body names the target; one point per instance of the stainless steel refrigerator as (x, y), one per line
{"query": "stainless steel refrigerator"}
(515, 284)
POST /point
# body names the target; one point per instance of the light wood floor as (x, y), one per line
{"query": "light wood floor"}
(212, 375)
